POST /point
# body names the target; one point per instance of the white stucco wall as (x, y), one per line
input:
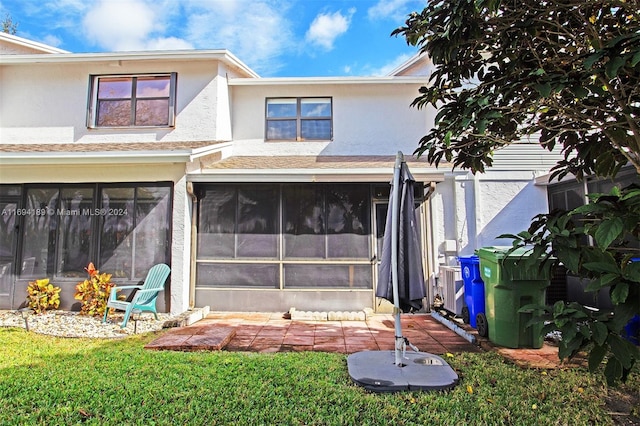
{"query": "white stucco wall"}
(180, 248)
(368, 119)
(472, 211)
(52, 108)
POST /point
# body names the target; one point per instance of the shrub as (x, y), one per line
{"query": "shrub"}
(94, 292)
(41, 295)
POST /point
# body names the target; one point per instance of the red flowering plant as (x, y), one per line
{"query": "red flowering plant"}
(94, 292)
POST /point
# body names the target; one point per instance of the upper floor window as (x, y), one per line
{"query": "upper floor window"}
(146, 100)
(299, 119)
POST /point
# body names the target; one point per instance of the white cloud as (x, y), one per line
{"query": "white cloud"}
(119, 25)
(385, 69)
(258, 32)
(125, 25)
(396, 10)
(327, 27)
(167, 43)
(52, 40)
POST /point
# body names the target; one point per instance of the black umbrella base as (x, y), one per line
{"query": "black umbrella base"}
(376, 371)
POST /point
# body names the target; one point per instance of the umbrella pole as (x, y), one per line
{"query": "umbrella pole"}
(395, 212)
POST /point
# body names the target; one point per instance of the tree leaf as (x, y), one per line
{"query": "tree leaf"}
(612, 67)
(600, 332)
(621, 350)
(608, 231)
(619, 293)
(613, 371)
(596, 356)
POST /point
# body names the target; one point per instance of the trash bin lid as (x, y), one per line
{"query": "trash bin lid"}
(502, 252)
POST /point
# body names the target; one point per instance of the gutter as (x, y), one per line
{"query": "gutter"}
(100, 157)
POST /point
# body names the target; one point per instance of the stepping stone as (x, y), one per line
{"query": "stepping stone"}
(198, 338)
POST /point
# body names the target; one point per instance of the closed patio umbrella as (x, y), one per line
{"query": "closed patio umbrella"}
(401, 245)
(401, 281)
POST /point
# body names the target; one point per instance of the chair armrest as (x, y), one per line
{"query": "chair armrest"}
(115, 288)
(120, 287)
(150, 290)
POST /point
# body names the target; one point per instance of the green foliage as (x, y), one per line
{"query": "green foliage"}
(8, 25)
(41, 295)
(94, 292)
(137, 386)
(613, 222)
(566, 72)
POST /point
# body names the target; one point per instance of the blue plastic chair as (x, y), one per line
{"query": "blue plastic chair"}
(145, 297)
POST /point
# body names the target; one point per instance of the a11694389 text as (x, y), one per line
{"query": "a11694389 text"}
(50, 211)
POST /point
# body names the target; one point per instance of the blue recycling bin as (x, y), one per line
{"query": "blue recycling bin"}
(632, 329)
(473, 288)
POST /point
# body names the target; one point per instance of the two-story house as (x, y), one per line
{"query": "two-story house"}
(261, 193)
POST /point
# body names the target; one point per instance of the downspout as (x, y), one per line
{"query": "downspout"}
(194, 246)
(477, 211)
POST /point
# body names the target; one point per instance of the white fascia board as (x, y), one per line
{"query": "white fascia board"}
(209, 149)
(308, 175)
(45, 48)
(276, 81)
(121, 157)
(156, 55)
(96, 157)
(409, 63)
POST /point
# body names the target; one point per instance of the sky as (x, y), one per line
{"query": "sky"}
(275, 38)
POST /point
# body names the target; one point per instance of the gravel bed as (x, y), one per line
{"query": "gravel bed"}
(71, 324)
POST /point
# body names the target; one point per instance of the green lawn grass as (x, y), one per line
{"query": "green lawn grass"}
(49, 380)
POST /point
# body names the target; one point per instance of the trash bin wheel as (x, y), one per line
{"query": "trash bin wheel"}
(465, 315)
(481, 325)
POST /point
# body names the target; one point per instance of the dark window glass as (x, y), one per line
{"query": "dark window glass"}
(135, 228)
(116, 241)
(257, 222)
(39, 236)
(315, 107)
(348, 220)
(237, 275)
(114, 113)
(238, 222)
(304, 222)
(217, 217)
(279, 108)
(327, 276)
(153, 218)
(281, 129)
(75, 236)
(153, 112)
(315, 129)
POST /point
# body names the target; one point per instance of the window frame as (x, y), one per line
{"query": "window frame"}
(299, 118)
(92, 103)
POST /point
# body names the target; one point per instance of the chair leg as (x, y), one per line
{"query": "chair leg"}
(106, 312)
(126, 316)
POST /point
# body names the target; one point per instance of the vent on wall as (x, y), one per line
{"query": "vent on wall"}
(452, 288)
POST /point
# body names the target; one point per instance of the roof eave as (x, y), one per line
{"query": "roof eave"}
(275, 81)
(377, 174)
(116, 57)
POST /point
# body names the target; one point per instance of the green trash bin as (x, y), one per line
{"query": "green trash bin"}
(508, 287)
